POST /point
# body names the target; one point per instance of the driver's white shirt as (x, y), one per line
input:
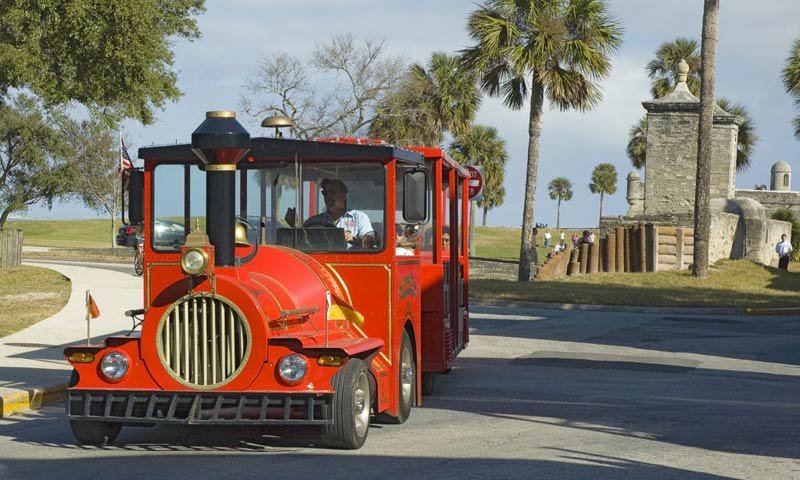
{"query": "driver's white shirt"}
(356, 222)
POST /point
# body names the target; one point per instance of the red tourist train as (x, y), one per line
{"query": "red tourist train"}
(286, 282)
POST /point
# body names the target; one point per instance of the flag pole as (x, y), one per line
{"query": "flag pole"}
(88, 319)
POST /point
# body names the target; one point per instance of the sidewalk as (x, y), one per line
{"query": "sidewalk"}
(32, 366)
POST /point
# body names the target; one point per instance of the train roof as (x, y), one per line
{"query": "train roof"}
(264, 148)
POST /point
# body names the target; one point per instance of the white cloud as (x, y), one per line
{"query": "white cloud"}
(754, 40)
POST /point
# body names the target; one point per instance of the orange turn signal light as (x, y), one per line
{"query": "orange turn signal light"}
(81, 357)
(329, 360)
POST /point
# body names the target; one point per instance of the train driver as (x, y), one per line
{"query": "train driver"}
(357, 227)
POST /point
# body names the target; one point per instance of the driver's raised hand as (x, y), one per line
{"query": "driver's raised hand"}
(290, 216)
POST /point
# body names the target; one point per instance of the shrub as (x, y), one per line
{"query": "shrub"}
(785, 214)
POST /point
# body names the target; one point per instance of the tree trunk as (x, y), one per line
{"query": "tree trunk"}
(527, 248)
(558, 213)
(600, 220)
(4, 217)
(472, 207)
(485, 209)
(702, 213)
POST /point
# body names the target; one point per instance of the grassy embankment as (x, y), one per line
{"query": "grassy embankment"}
(731, 283)
(88, 240)
(30, 294)
(739, 283)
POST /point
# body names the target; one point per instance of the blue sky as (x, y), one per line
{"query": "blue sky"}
(754, 40)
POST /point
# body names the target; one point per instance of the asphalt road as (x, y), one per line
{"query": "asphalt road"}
(538, 394)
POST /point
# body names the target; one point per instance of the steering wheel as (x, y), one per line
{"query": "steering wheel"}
(319, 222)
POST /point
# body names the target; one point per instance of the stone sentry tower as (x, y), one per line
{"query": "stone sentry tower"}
(781, 177)
(671, 162)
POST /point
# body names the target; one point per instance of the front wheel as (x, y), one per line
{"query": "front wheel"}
(138, 262)
(351, 407)
(92, 432)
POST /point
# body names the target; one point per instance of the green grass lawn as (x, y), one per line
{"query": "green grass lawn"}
(731, 283)
(503, 243)
(66, 233)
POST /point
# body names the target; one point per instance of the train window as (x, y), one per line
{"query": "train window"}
(167, 228)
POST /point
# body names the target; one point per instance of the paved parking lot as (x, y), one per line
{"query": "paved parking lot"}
(538, 394)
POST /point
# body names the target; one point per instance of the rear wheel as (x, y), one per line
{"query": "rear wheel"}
(351, 407)
(407, 385)
(92, 432)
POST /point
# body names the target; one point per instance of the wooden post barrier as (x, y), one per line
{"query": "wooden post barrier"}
(620, 253)
(574, 266)
(610, 255)
(584, 259)
(626, 255)
(641, 248)
(10, 248)
(594, 257)
(652, 248)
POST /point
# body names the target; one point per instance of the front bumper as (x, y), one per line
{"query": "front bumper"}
(224, 408)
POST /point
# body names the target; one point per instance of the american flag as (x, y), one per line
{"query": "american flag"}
(125, 162)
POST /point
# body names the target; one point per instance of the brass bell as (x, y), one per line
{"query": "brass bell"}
(240, 235)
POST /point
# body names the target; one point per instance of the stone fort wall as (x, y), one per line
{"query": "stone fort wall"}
(773, 200)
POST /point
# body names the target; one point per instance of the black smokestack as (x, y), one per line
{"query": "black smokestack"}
(220, 142)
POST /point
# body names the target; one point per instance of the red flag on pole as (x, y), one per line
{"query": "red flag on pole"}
(92, 310)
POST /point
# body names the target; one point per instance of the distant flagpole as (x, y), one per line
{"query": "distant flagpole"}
(125, 162)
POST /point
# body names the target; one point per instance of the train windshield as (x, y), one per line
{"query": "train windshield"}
(318, 206)
(314, 207)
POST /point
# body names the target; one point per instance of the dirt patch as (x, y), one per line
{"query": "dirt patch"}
(28, 296)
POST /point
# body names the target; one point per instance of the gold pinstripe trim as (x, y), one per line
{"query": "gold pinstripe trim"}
(388, 268)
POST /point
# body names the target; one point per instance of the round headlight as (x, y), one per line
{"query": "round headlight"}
(292, 368)
(194, 262)
(114, 366)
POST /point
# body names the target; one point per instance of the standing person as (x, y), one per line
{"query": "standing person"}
(574, 239)
(784, 249)
(561, 238)
(547, 238)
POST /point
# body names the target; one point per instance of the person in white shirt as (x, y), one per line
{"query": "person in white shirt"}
(784, 250)
(561, 239)
(357, 227)
(547, 238)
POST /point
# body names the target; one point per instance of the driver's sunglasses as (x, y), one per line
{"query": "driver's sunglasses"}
(331, 191)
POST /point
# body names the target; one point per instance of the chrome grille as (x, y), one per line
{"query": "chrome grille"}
(203, 341)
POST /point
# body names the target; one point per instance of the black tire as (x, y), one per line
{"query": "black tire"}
(428, 383)
(351, 407)
(92, 432)
(406, 383)
(138, 262)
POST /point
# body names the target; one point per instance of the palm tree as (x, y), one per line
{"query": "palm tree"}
(637, 143)
(604, 180)
(557, 49)
(791, 80)
(439, 97)
(560, 188)
(663, 72)
(480, 145)
(702, 196)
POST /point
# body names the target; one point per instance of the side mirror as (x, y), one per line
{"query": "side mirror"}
(415, 196)
(133, 182)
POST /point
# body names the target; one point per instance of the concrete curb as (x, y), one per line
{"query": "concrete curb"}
(19, 401)
(614, 308)
(773, 311)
